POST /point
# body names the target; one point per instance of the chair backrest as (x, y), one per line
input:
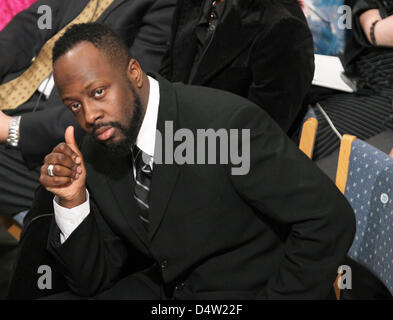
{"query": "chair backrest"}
(365, 177)
(308, 133)
(11, 226)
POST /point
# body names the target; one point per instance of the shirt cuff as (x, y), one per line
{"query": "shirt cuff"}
(69, 219)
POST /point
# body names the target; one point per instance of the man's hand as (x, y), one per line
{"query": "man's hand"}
(391, 153)
(4, 126)
(69, 180)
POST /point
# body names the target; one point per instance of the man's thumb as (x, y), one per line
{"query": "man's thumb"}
(70, 138)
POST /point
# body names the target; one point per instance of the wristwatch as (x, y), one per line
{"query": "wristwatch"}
(13, 132)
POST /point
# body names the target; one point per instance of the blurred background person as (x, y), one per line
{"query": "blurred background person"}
(259, 49)
(41, 121)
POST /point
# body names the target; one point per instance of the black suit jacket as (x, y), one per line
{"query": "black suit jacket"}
(266, 56)
(143, 24)
(281, 231)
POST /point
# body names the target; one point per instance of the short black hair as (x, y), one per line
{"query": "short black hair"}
(98, 34)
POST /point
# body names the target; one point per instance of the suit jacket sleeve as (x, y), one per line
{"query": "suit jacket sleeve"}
(152, 39)
(93, 255)
(41, 131)
(166, 67)
(282, 63)
(301, 204)
(21, 39)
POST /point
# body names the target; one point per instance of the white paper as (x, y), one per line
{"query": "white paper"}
(329, 72)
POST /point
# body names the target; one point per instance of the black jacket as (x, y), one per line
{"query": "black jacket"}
(357, 43)
(266, 56)
(143, 24)
(280, 231)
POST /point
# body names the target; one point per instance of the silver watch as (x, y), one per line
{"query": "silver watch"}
(13, 132)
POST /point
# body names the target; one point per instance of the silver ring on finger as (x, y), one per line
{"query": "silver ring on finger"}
(50, 170)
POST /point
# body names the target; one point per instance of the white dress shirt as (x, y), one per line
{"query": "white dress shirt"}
(69, 219)
(47, 86)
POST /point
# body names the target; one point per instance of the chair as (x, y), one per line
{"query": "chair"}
(13, 227)
(365, 177)
(308, 133)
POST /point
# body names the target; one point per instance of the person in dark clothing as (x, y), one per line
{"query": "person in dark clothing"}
(145, 27)
(143, 24)
(368, 112)
(127, 228)
(259, 49)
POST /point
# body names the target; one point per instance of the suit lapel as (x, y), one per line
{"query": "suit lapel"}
(114, 177)
(123, 191)
(164, 175)
(112, 181)
(230, 39)
(112, 6)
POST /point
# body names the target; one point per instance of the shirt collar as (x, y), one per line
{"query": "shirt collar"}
(147, 133)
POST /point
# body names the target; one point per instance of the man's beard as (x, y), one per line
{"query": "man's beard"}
(130, 133)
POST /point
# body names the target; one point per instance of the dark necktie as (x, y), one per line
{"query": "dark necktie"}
(142, 184)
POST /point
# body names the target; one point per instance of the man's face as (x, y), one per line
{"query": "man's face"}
(100, 95)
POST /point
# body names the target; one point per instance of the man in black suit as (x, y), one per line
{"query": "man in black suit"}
(150, 228)
(145, 27)
(259, 49)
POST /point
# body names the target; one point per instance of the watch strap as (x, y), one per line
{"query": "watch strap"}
(13, 132)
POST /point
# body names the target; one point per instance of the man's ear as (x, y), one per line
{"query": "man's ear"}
(135, 73)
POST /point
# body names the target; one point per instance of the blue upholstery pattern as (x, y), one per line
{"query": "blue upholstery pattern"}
(369, 189)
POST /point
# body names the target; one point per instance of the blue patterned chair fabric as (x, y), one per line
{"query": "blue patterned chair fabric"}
(369, 190)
